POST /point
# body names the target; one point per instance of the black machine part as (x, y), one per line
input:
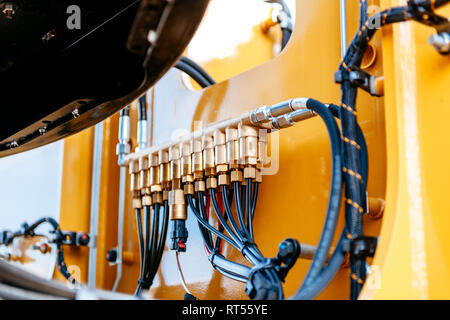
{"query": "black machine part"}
(56, 81)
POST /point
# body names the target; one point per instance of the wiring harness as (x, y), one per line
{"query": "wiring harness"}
(60, 238)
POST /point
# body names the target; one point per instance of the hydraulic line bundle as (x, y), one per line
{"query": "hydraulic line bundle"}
(219, 169)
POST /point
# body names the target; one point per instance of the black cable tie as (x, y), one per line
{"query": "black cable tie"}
(247, 244)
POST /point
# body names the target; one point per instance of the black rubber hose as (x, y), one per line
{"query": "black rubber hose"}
(229, 213)
(361, 140)
(162, 240)
(249, 202)
(239, 209)
(141, 250)
(202, 208)
(363, 7)
(125, 111)
(142, 109)
(209, 227)
(193, 73)
(203, 231)
(327, 274)
(152, 247)
(198, 68)
(254, 198)
(334, 201)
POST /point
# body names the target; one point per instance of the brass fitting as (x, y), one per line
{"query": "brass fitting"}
(236, 176)
(231, 137)
(220, 152)
(258, 178)
(248, 145)
(197, 159)
(262, 148)
(144, 176)
(165, 195)
(186, 163)
(164, 169)
(134, 184)
(189, 188)
(209, 164)
(177, 205)
(154, 178)
(223, 179)
(249, 172)
(199, 186)
(157, 197)
(175, 165)
(147, 200)
(211, 182)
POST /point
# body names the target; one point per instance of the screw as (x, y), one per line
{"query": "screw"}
(8, 10)
(76, 113)
(441, 42)
(49, 36)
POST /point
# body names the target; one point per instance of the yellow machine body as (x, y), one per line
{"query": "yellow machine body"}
(409, 153)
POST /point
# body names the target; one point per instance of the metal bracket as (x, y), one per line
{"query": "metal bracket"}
(361, 247)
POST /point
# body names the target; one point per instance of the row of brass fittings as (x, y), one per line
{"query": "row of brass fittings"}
(208, 162)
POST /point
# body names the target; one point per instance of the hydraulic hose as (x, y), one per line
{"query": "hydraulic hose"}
(199, 69)
(195, 72)
(335, 194)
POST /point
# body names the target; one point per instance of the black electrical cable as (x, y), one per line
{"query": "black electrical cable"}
(141, 249)
(162, 241)
(240, 210)
(255, 198)
(209, 227)
(249, 202)
(59, 237)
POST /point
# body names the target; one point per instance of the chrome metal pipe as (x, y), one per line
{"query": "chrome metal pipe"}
(343, 10)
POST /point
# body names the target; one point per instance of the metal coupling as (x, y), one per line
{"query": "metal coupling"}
(175, 166)
(155, 180)
(262, 148)
(177, 205)
(231, 136)
(266, 114)
(441, 42)
(288, 120)
(186, 162)
(248, 145)
(142, 135)
(164, 169)
(209, 163)
(134, 184)
(144, 176)
(220, 157)
(197, 159)
(123, 147)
